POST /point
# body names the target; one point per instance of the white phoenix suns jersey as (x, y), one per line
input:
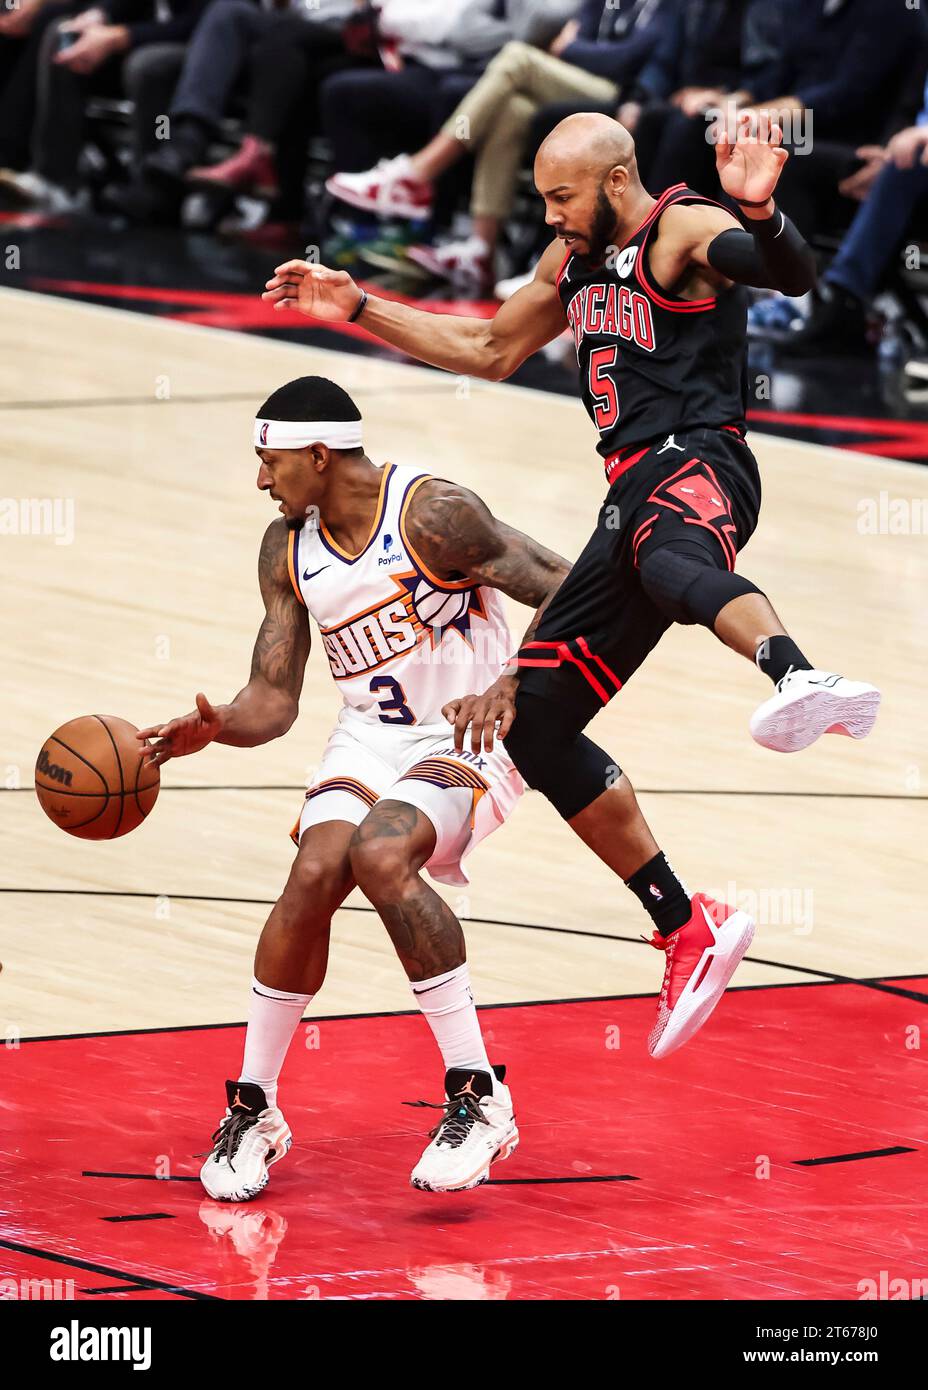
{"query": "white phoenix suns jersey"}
(400, 641)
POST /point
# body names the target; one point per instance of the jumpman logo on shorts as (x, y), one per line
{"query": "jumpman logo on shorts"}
(670, 443)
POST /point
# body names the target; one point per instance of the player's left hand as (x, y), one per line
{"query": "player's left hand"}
(496, 706)
(749, 167)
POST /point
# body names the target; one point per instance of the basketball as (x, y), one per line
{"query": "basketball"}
(90, 778)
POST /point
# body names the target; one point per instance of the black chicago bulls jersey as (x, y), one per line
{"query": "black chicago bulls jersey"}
(652, 363)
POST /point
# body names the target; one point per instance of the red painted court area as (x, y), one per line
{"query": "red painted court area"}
(634, 1179)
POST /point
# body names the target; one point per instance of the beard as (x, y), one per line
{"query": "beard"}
(602, 228)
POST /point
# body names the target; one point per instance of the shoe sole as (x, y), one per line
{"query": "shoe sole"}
(462, 279)
(505, 1149)
(399, 265)
(696, 1004)
(247, 1194)
(802, 721)
(367, 204)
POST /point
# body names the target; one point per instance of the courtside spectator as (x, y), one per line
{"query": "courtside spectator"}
(285, 54)
(493, 123)
(124, 47)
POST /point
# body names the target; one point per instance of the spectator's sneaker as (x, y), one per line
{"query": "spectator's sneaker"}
(837, 325)
(807, 704)
(391, 189)
(30, 189)
(702, 956)
(773, 318)
(23, 186)
(166, 168)
(251, 1136)
(341, 252)
(250, 170)
(477, 1128)
(389, 251)
(505, 289)
(143, 202)
(917, 368)
(467, 262)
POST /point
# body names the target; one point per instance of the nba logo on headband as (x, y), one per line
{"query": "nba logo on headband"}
(264, 433)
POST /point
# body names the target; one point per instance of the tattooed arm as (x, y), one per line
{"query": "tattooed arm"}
(458, 537)
(267, 706)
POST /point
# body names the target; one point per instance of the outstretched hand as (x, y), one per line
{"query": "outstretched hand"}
(314, 290)
(482, 713)
(750, 166)
(187, 734)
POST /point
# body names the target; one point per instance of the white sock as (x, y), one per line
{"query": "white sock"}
(272, 1020)
(448, 1006)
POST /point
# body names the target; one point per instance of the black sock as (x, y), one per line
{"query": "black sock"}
(661, 894)
(776, 655)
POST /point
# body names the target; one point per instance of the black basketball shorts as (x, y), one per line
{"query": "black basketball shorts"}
(698, 491)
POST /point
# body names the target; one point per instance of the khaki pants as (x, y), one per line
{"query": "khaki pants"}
(494, 118)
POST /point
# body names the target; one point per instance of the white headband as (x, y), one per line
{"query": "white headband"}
(296, 434)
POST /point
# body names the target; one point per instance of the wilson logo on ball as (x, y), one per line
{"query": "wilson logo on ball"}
(49, 769)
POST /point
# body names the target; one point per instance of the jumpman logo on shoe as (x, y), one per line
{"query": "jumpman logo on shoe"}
(670, 443)
(468, 1088)
(238, 1101)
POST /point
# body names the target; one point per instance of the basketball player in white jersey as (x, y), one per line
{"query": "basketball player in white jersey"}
(400, 571)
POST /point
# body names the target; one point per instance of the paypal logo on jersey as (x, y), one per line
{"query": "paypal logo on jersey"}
(388, 559)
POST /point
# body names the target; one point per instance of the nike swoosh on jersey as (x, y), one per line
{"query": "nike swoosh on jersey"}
(307, 575)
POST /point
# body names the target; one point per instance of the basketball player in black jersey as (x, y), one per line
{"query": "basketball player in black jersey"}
(652, 289)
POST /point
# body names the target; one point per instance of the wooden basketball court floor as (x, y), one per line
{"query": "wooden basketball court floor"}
(781, 1154)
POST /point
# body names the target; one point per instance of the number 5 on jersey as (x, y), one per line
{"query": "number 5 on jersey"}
(603, 388)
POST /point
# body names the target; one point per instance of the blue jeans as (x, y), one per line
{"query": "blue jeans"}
(879, 226)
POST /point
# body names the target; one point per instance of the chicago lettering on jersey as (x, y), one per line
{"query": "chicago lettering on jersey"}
(611, 310)
(369, 640)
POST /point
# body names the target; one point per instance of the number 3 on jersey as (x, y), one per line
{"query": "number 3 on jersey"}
(603, 388)
(391, 698)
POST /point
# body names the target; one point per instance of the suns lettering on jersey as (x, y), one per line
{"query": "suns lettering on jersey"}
(369, 640)
(396, 635)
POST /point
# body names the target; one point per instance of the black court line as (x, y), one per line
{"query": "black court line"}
(874, 982)
(141, 1177)
(642, 791)
(141, 1280)
(532, 1182)
(217, 398)
(414, 1013)
(143, 1216)
(852, 1158)
(117, 1289)
(89, 402)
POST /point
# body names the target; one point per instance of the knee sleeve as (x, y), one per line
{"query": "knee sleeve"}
(564, 765)
(688, 588)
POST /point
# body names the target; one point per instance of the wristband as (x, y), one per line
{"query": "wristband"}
(362, 305)
(743, 203)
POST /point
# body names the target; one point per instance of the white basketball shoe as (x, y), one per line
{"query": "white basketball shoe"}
(251, 1136)
(477, 1129)
(807, 704)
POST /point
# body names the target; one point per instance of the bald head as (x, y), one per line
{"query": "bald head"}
(587, 144)
(587, 173)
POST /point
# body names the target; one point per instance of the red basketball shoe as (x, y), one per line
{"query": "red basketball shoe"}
(702, 956)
